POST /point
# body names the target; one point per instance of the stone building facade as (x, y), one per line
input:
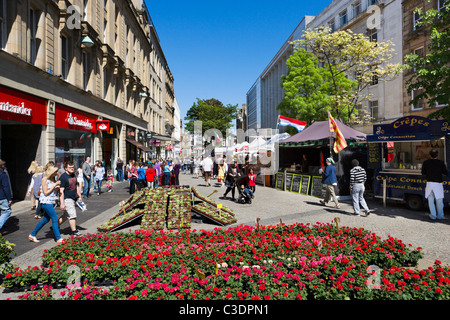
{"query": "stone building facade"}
(416, 40)
(78, 78)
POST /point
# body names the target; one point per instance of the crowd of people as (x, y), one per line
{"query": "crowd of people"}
(66, 187)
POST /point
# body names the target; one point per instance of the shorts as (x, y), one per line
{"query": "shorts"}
(70, 212)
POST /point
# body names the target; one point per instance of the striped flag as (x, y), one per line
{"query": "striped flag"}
(339, 143)
(297, 124)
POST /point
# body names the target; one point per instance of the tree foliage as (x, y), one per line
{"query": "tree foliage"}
(308, 92)
(432, 71)
(350, 62)
(213, 114)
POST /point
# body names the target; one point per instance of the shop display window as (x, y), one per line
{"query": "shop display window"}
(72, 145)
(410, 155)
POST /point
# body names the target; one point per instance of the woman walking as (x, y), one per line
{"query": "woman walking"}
(47, 198)
(34, 188)
(230, 181)
(99, 175)
(166, 174)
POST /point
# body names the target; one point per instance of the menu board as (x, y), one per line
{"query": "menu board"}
(306, 180)
(296, 183)
(289, 177)
(373, 161)
(279, 180)
(316, 189)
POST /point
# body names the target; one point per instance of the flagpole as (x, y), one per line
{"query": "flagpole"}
(331, 137)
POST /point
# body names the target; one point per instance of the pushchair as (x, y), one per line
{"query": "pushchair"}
(245, 194)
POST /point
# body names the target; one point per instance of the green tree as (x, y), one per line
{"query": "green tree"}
(432, 71)
(308, 90)
(213, 114)
(351, 56)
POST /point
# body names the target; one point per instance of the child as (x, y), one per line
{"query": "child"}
(109, 182)
(251, 182)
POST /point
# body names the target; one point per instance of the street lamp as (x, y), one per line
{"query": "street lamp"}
(86, 42)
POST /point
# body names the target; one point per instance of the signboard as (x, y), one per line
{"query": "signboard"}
(102, 125)
(296, 183)
(409, 128)
(289, 177)
(279, 180)
(373, 160)
(68, 118)
(306, 180)
(17, 106)
(317, 187)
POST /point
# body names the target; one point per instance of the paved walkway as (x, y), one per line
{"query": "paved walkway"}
(270, 205)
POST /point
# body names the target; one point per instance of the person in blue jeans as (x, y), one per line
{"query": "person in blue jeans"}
(166, 174)
(357, 179)
(119, 167)
(5, 194)
(330, 180)
(48, 197)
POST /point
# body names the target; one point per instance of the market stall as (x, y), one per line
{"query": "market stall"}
(302, 155)
(397, 152)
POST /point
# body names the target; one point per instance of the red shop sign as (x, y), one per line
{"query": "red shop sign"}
(17, 106)
(102, 125)
(68, 118)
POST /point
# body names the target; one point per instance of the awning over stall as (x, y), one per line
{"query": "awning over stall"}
(321, 131)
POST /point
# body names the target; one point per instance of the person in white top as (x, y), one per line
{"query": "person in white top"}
(207, 168)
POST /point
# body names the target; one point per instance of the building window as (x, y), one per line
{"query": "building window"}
(332, 25)
(371, 2)
(373, 109)
(85, 10)
(105, 83)
(3, 24)
(372, 34)
(442, 4)
(33, 35)
(343, 19)
(85, 70)
(64, 57)
(420, 104)
(416, 19)
(356, 8)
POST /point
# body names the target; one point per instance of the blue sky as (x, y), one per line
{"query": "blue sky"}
(217, 49)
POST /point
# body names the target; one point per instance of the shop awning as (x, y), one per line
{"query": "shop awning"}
(321, 131)
(137, 144)
(161, 138)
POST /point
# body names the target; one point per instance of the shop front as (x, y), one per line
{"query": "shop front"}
(74, 135)
(303, 155)
(397, 152)
(22, 117)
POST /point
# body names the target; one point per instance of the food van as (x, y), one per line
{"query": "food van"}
(396, 152)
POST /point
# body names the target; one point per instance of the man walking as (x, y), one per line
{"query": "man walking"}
(434, 169)
(207, 168)
(68, 195)
(87, 176)
(357, 179)
(330, 180)
(5, 194)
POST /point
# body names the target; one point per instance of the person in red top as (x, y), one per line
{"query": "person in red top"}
(150, 175)
(251, 180)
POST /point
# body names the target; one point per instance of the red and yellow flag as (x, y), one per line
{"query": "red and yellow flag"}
(339, 143)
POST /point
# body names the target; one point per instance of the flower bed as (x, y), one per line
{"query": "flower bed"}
(221, 217)
(274, 262)
(209, 201)
(179, 209)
